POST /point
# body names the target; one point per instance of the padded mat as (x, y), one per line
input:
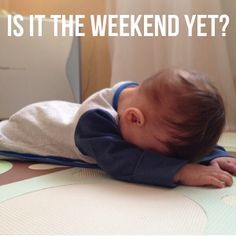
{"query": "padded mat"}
(49, 199)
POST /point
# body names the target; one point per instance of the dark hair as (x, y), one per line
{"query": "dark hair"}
(193, 111)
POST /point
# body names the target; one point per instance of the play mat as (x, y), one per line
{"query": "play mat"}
(48, 199)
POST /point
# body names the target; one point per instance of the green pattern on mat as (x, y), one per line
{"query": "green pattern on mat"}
(220, 213)
(5, 166)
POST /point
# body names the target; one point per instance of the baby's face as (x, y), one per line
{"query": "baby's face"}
(155, 139)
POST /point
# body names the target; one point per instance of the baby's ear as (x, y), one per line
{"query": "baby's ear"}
(134, 116)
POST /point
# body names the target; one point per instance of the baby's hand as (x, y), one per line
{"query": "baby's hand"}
(200, 175)
(225, 163)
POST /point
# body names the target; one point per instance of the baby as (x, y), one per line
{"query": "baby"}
(162, 132)
(180, 114)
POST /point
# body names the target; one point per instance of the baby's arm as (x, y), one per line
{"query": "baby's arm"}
(98, 136)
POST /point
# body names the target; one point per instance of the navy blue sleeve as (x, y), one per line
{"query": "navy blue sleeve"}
(217, 152)
(98, 136)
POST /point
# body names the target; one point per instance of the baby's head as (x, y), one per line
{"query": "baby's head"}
(180, 114)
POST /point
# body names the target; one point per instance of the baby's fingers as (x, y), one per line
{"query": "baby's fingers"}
(229, 165)
(226, 178)
(220, 180)
(214, 182)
